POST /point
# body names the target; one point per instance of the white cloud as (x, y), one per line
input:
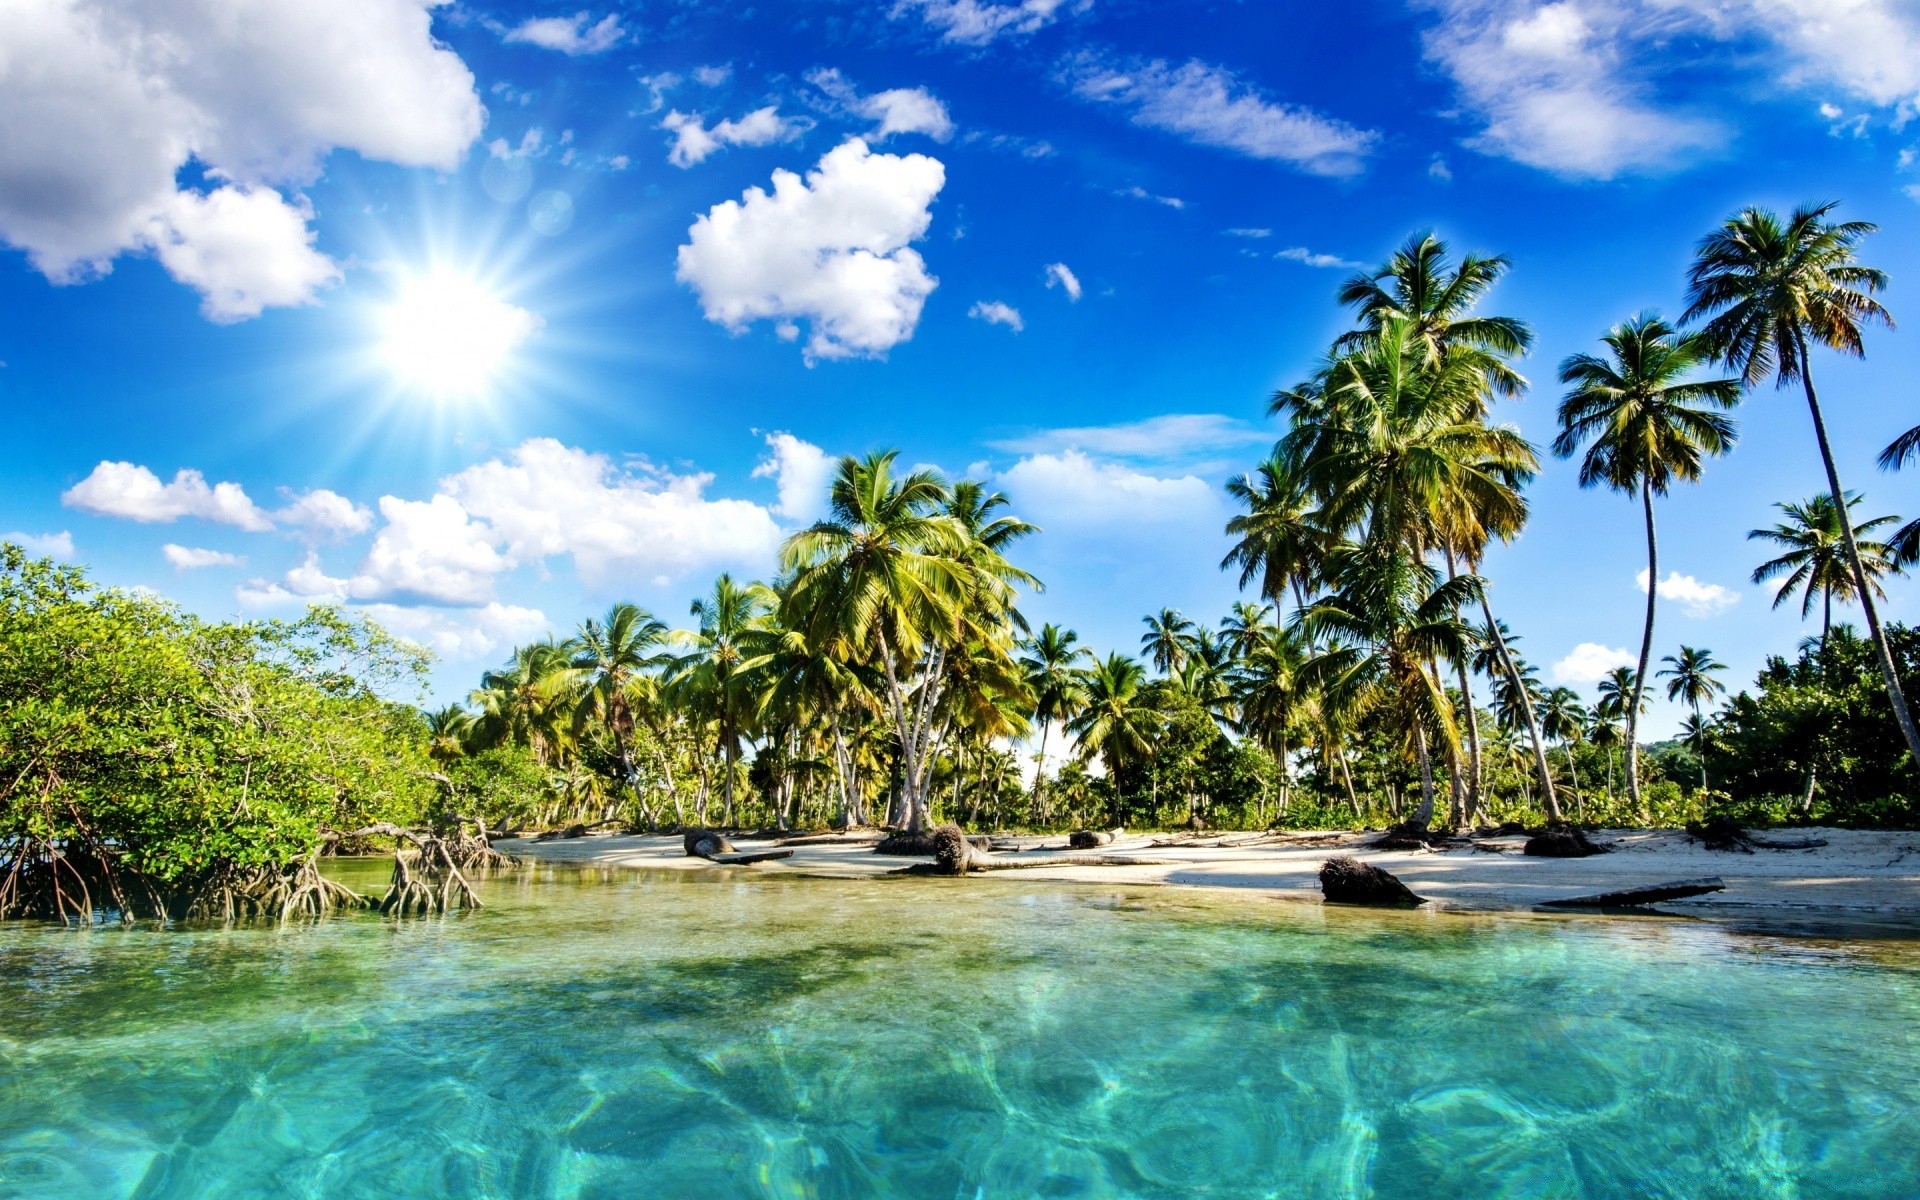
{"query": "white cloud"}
(1209, 106)
(832, 249)
(1061, 276)
(1071, 492)
(802, 471)
(693, 142)
(192, 558)
(713, 76)
(462, 634)
(995, 312)
(1176, 435)
(46, 545)
(1695, 599)
(325, 513)
(1590, 662)
(574, 35)
(310, 580)
(547, 499)
(1248, 233)
(978, 22)
(243, 249)
(106, 104)
(1137, 192)
(897, 110)
(429, 551)
(1552, 85)
(122, 489)
(1306, 257)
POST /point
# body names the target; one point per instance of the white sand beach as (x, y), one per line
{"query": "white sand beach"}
(1861, 873)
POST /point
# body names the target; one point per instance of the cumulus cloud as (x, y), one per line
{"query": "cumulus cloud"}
(995, 312)
(1310, 258)
(1137, 192)
(1695, 599)
(694, 142)
(713, 76)
(1061, 276)
(193, 558)
(1210, 106)
(1552, 85)
(106, 104)
(1175, 435)
(462, 634)
(46, 545)
(1590, 662)
(978, 22)
(897, 110)
(831, 249)
(123, 489)
(429, 551)
(1072, 491)
(802, 471)
(574, 35)
(324, 513)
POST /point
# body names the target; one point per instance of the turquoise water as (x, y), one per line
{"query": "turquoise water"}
(621, 1035)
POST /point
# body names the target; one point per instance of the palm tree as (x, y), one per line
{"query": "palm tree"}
(447, 732)
(1168, 639)
(1604, 731)
(1815, 561)
(1115, 722)
(1279, 542)
(1058, 682)
(1649, 425)
(1269, 693)
(1564, 720)
(733, 641)
(885, 575)
(1245, 625)
(1420, 285)
(523, 702)
(1771, 291)
(611, 672)
(1691, 681)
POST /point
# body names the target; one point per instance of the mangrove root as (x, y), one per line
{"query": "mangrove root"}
(1679, 889)
(1346, 880)
(1720, 833)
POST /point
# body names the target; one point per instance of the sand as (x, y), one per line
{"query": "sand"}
(1863, 874)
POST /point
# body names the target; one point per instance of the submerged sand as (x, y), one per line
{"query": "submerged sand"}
(1860, 873)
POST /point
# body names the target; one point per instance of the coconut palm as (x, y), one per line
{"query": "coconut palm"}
(1245, 625)
(1115, 721)
(1646, 424)
(447, 732)
(1422, 286)
(732, 641)
(1058, 683)
(1564, 719)
(611, 672)
(1690, 680)
(1168, 639)
(1279, 542)
(524, 702)
(1619, 689)
(1269, 693)
(886, 576)
(1772, 290)
(1815, 559)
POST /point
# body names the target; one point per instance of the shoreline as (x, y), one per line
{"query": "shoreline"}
(1870, 876)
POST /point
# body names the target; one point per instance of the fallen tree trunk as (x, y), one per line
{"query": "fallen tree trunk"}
(1346, 880)
(833, 839)
(1093, 839)
(711, 845)
(1679, 889)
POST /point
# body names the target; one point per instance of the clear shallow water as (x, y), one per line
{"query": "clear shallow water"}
(622, 1035)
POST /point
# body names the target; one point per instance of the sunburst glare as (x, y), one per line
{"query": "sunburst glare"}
(449, 335)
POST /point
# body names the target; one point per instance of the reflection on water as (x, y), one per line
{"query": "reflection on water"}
(613, 1035)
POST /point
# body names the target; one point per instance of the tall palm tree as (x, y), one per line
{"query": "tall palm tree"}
(1058, 682)
(886, 576)
(732, 641)
(1245, 625)
(1280, 544)
(447, 732)
(1770, 291)
(1649, 425)
(1421, 285)
(1269, 693)
(1564, 719)
(1690, 680)
(1168, 639)
(1115, 722)
(1815, 559)
(611, 670)
(524, 702)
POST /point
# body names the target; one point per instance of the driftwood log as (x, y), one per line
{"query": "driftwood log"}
(957, 854)
(1346, 880)
(1563, 843)
(713, 846)
(1720, 833)
(1093, 839)
(1679, 889)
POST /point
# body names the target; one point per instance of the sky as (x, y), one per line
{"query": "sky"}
(480, 316)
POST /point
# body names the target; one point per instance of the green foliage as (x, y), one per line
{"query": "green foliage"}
(162, 750)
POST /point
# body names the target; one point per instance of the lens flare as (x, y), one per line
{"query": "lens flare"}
(449, 335)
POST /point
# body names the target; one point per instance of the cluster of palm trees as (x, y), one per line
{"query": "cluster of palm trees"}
(888, 670)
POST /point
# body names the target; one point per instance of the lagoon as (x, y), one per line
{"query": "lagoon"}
(631, 1033)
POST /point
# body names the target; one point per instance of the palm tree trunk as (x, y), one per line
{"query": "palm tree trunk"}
(1476, 775)
(1424, 817)
(1549, 801)
(1040, 777)
(1646, 651)
(1895, 694)
(1346, 779)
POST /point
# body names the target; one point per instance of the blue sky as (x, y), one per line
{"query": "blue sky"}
(1069, 247)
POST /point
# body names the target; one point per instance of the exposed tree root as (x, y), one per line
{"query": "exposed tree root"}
(1563, 843)
(711, 845)
(957, 854)
(1346, 880)
(1721, 833)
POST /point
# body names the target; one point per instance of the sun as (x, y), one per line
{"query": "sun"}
(450, 335)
